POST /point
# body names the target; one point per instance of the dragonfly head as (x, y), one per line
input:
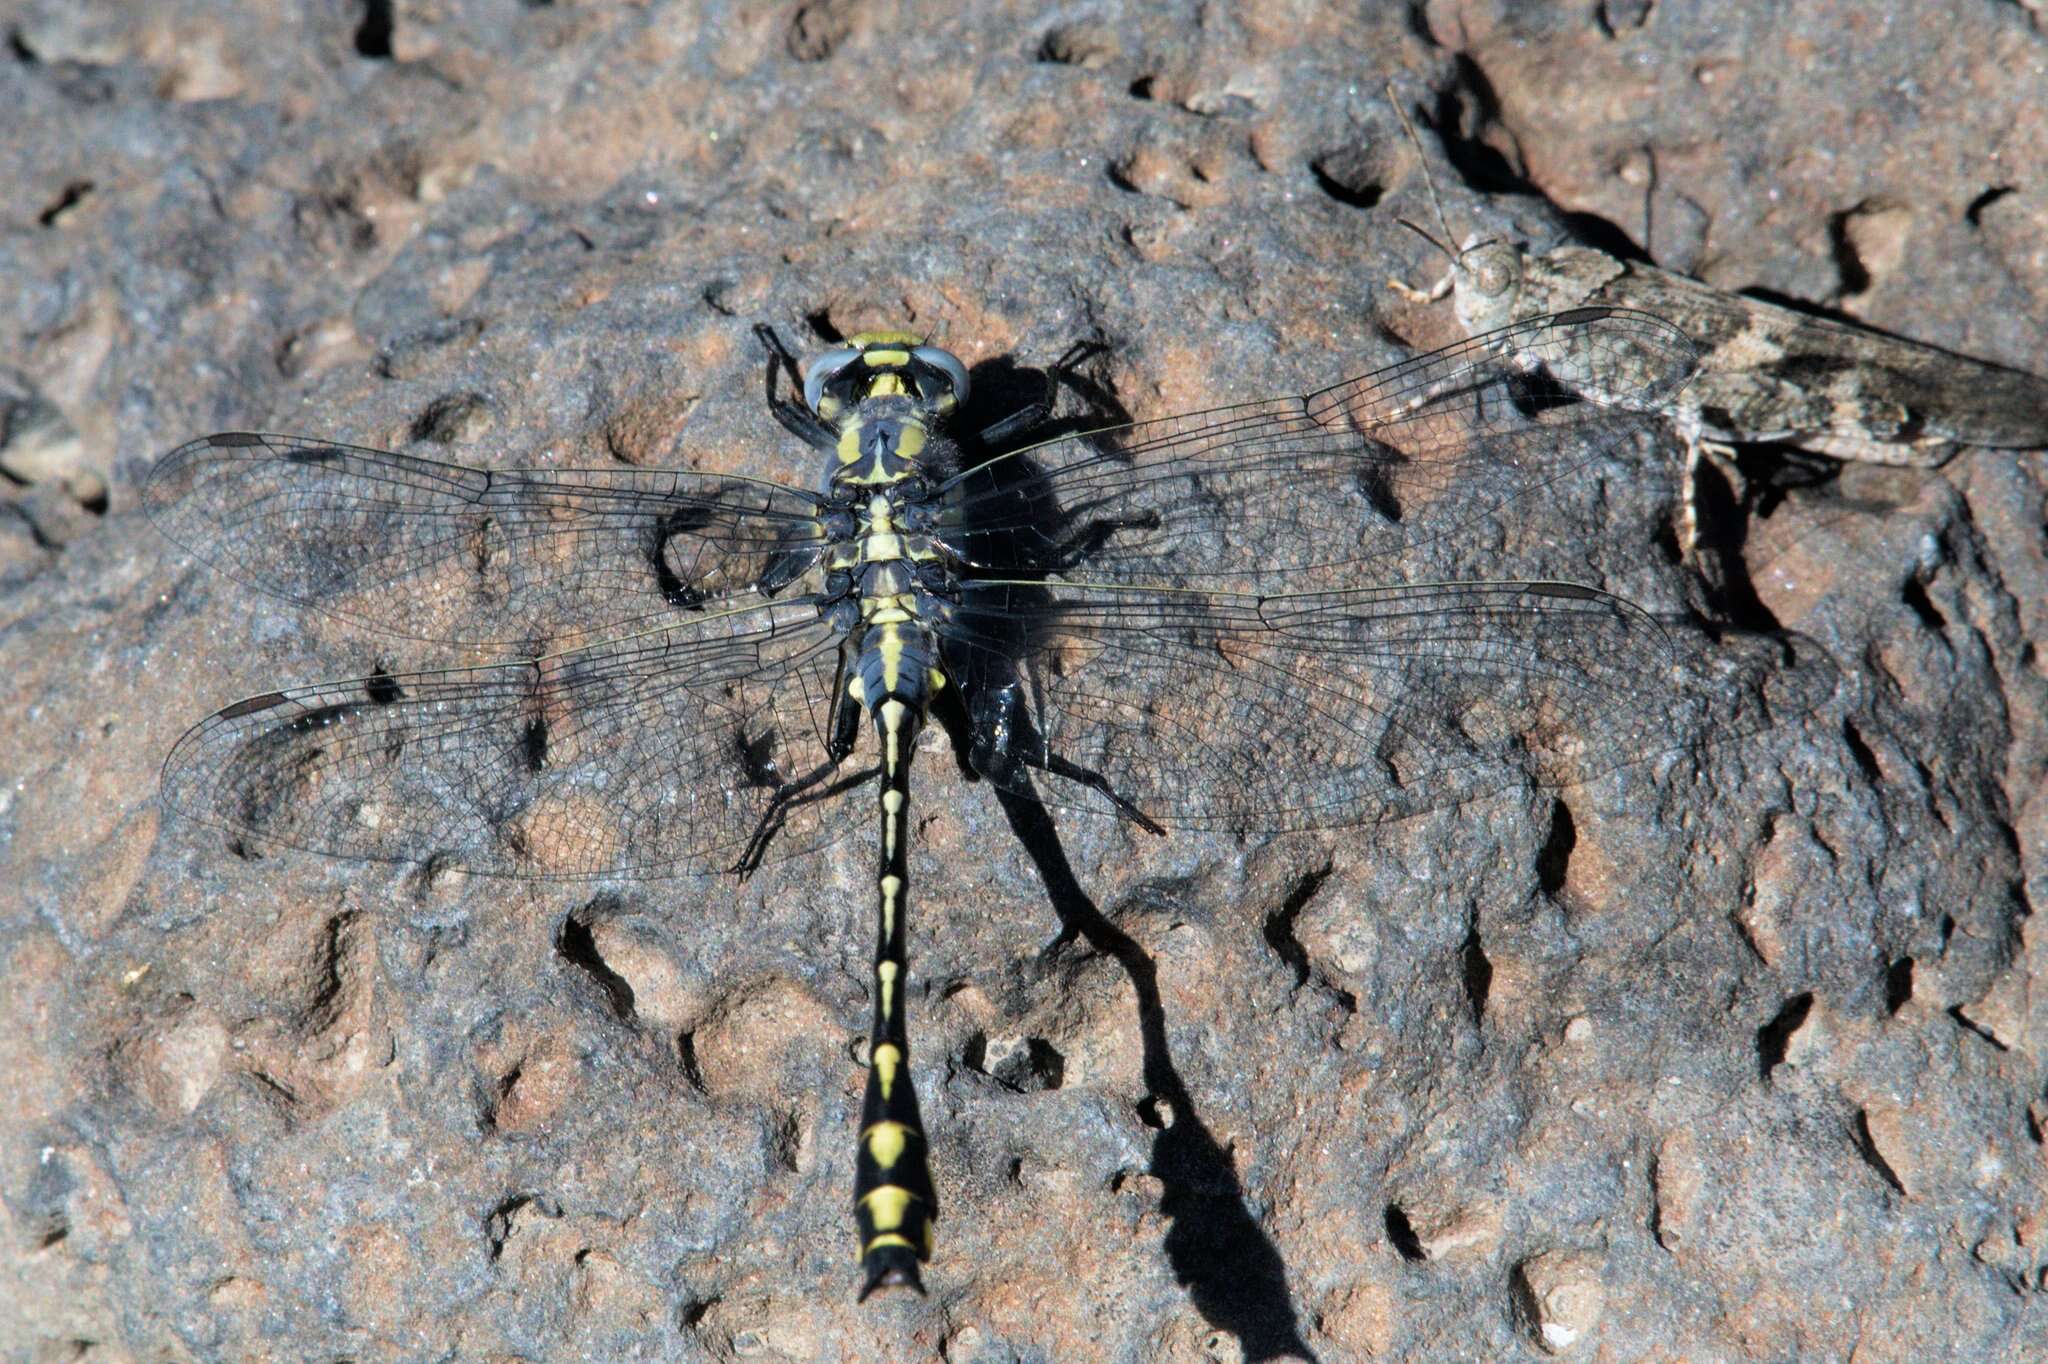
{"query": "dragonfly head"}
(884, 365)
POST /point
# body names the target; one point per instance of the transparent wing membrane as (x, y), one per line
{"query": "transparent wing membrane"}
(650, 754)
(526, 560)
(1311, 710)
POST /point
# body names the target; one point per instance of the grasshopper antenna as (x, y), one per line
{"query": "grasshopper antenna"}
(1428, 180)
(1423, 233)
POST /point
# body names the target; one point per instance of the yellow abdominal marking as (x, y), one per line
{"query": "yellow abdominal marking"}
(892, 886)
(885, 972)
(892, 661)
(888, 1057)
(886, 1140)
(892, 729)
(887, 1206)
(889, 1238)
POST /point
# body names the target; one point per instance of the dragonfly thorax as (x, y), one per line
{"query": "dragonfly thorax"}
(882, 393)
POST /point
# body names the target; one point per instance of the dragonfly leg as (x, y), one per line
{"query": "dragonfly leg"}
(1036, 413)
(1094, 781)
(804, 790)
(794, 796)
(1000, 737)
(797, 419)
(1087, 540)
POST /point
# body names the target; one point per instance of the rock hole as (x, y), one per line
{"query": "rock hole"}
(498, 1221)
(575, 944)
(1022, 1065)
(818, 29)
(1914, 595)
(1965, 1021)
(1898, 984)
(1775, 1036)
(686, 1057)
(1656, 1204)
(1974, 214)
(1278, 930)
(786, 1141)
(18, 48)
(1722, 516)
(1860, 750)
(695, 1310)
(1665, 536)
(1088, 46)
(1554, 860)
(1849, 265)
(1478, 972)
(1402, 1236)
(1044, 1063)
(823, 327)
(1866, 1147)
(1351, 175)
(373, 33)
(454, 417)
(1617, 17)
(326, 972)
(73, 194)
(487, 1113)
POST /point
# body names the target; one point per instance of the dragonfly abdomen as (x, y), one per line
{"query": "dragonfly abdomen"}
(894, 1205)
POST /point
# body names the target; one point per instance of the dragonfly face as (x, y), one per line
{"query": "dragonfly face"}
(1200, 618)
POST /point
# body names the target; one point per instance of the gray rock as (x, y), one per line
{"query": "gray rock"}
(1752, 1023)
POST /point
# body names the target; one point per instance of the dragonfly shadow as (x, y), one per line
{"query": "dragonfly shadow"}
(1230, 1267)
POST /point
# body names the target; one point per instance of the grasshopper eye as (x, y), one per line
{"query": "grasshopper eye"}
(946, 363)
(824, 369)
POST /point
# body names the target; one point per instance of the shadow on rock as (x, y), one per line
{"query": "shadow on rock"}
(1232, 1270)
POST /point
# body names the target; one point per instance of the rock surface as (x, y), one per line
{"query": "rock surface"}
(1736, 1054)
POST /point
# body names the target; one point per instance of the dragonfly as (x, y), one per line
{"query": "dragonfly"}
(1203, 621)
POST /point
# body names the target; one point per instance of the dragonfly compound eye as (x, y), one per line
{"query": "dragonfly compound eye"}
(823, 371)
(948, 364)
